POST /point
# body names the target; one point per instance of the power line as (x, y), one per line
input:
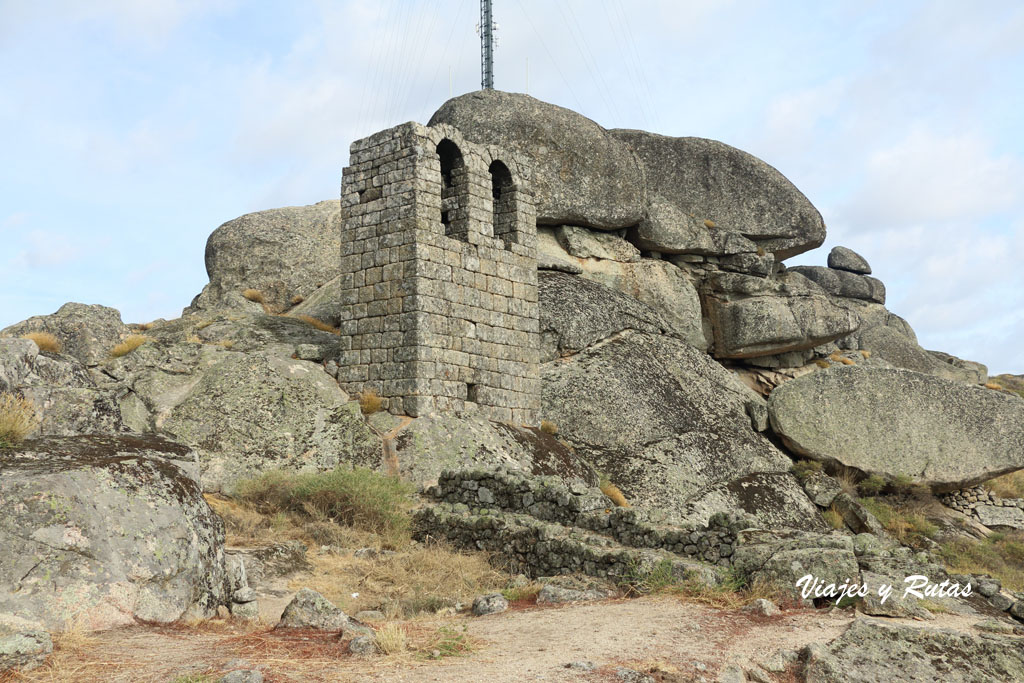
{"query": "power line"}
(554, 62)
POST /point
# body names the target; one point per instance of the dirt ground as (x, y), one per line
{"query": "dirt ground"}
(676, 640)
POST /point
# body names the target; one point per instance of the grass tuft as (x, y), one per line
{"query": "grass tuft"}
(906, 523)
(871, 486)
(451, 642)
(297, 299)
(131, 342)
(254, 295)
(18, 418)
(614, 494)
(391, 639)
(548, 427)
(834, 518)
(805, 468)
(45, 341)
(370, 401)
(822, 363)
(318, 324)
(1007, 486)
(358, 497)
(1000, 556)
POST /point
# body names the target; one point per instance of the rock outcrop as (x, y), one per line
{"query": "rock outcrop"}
(872, 650)
(899, 423)
(101, 531)
(661, 418)
(282, 253)
(86, 332)
(697, 186)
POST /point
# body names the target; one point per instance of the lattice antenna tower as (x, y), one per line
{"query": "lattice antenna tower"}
(488, 41)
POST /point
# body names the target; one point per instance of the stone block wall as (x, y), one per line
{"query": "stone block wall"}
(439, 308)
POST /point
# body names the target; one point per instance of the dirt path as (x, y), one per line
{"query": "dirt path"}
(687, 641)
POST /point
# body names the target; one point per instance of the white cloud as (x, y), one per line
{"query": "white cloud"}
(46, 249)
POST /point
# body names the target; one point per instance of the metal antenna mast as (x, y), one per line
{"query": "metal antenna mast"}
(486, 46)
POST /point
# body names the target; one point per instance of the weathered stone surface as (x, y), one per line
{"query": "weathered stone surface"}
(582, 174)
(106, 530)
(552, 256)
(844, 284)
(774, 500)
(783, 557)
(87, 332)
(492, 603)
(661, 418)
(858, 517)
(821, 488)
(429, 445)
(243, 413)
(996, 516)
(65, 397)
(844, 258)
(576, 313)
(948, 435)
(279, 252)
(762, 608)
(324, 303)
(552, 594)
(309, 609)
(872, 650)
(585, 243)
(752, 316)
(705, 180)
(363, 646)
(24, 644)
(659, 284)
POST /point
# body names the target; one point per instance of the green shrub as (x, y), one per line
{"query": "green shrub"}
(804, 468)
(356, 497)
(907, 525)
(999, 555)
(871, 486)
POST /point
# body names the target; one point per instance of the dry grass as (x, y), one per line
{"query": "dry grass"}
(448, 641)
(318, 324)
(614, 494)
(143, 327)
(392, 639)
(297, 299)
(865, 353)
(822, 363)
(847, 479)
(1007, 486)
(130, 343)
(45, 341)
(846, 361)
(203, 325)
(805, 468)
(254, 295)
(734, 591)
(834, 518)
(194, 339)
(225, 343)
(907, 521)
(708, 223)
(370, 401)
(548, 427)
(18, 417)
(1000, 555)
(416, 580)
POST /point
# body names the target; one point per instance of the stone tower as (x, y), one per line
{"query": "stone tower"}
(439, 275)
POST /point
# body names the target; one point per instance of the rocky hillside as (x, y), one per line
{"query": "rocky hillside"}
(736, 404)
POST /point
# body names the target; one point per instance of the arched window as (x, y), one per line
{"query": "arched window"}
(502, 191)
(454, 190)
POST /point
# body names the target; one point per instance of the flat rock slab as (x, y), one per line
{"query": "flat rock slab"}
(894, 422)
(875, 651)
(995, 515)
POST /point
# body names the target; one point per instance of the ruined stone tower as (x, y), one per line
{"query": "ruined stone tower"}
(439, 275)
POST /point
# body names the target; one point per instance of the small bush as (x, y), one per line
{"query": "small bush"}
(391, 639)
(822, 363)
(906, 524)
(254, 295)
(805, 468)
(318, 324)
(526, 593)
(131, 342)
(871, 486)
(450, 642)
(18, 418)
(358, 497)
(370, 401)
(548, 427)
(45, 341)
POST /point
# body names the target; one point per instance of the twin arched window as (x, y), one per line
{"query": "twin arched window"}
(455, 195)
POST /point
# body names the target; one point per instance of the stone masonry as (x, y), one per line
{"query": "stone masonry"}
(439, 275)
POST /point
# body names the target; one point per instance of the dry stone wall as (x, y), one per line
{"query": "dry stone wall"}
(439, 277)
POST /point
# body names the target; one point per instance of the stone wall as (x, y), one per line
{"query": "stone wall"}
(438, 312)
(985, 506)
(543, 526)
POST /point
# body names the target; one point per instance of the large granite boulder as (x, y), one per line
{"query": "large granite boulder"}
(874, 650)
(86, 332)
(426, 446)
(283, 253)
(696, 185)
(101, 531)
(576, 313)
(582, 175)
(844, 258)
(752, 317)
(900, 423)
(773, 500)
(24, 644)
(244, 413)
(843, 283)
(663, 420)
(66, 398)
(782, 557)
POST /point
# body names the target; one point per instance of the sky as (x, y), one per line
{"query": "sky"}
(131, 129)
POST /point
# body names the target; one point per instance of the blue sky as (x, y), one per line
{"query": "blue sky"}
(131, 129)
